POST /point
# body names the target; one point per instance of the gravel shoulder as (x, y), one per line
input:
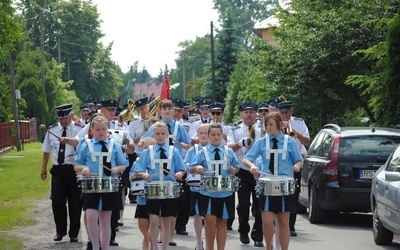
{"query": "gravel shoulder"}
(40, 235)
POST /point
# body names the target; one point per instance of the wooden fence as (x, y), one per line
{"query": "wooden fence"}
(28, 129)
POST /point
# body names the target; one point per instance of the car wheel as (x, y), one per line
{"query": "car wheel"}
(382, 236)
(316, 214)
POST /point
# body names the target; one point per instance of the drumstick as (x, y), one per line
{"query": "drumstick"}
(43, 127)
(259, 172)
(264, 173)
(169, 173)
(109, 169)
(286, 165)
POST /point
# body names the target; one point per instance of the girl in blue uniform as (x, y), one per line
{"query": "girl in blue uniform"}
(216, 207)
(99, 206)
(288, 155)
(147, 169)
(141, 213)
(202, 135)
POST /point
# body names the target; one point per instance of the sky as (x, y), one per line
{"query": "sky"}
(149, 31)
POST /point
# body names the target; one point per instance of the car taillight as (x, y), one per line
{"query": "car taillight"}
(330, 171)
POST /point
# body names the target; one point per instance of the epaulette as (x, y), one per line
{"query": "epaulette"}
(79, 125)
(237, 123)
(235, 126)
(54, 125)
(297, 118)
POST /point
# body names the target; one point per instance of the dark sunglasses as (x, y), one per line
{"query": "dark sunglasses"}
(216, 113)
(263, 111)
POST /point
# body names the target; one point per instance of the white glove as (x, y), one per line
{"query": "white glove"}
(245, 142)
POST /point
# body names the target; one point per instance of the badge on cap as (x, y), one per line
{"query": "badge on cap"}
(63, 110)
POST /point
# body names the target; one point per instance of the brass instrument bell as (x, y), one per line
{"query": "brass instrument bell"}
(128, 113)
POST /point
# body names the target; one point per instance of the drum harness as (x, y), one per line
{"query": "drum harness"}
(216, 163)
(99, 154)
(161, 161)
(282, 151)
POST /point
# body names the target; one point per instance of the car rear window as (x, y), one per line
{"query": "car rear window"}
(367, 149)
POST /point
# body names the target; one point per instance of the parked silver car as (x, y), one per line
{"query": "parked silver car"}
(385, 200)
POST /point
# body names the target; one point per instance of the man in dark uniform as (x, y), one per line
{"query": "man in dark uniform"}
(240, 139)
(64, 187)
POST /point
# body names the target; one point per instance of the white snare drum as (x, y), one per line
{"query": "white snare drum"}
(220, 183)
(119, 136)
(193, 179)
(162, 190)
(276, 185)
(97, 184)
(137, 186)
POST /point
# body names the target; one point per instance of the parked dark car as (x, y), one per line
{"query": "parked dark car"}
(385, 200)
(338, 168)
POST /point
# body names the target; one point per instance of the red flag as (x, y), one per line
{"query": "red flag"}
(165, 92)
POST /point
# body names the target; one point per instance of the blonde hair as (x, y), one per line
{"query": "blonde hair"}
(146, 142)
(99, 118)
(159, 125)
(203, 125)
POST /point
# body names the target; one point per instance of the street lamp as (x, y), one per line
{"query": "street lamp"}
(18, 133)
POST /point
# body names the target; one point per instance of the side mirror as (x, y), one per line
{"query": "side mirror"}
(392, 176)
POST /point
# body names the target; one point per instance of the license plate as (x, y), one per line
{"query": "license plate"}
(367, 174)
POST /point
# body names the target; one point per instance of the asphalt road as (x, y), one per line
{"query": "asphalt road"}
(344, 231)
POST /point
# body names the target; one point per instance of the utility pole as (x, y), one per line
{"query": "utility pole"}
(212, 61)
(14, 102)
(184, 56)
(42, 51)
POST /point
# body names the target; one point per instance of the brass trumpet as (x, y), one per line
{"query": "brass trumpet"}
(289, 131)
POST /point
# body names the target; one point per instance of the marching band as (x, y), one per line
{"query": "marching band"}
(177, 163)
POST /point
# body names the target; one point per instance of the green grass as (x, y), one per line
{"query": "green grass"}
(20, 188)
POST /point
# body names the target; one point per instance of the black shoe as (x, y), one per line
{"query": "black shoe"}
(244, 238)
(58, 237)
(258, 244)
(172, 244)
(182, 232)
(73, 239)
(293, 233)
(114, 243)
(89, 245)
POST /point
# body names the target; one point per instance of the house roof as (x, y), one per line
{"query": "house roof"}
(268, 23)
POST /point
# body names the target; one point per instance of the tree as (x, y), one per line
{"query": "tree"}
(317, 54)
(226, 58)
(40, 102)
(10, 34)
